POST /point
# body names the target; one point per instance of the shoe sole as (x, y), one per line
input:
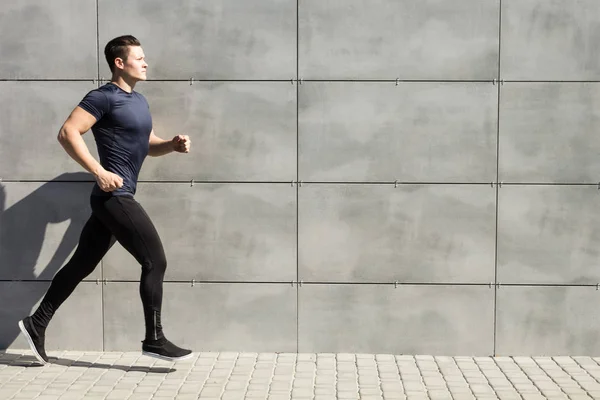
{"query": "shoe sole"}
(165, 358)
(31, 344)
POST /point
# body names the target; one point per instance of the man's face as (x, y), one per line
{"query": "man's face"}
(136, 65)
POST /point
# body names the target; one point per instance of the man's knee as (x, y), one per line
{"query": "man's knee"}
(155, 264)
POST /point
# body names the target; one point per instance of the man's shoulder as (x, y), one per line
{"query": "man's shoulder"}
(107, 89)
(101, 92)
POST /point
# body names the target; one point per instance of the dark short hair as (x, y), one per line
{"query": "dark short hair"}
(118, 48)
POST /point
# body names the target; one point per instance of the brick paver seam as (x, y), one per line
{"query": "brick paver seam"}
(29, 381)
(437, 367)
(527, 376)
(157, 388)
(378, 375)
(247, 385)
(270, 385)
(224, 380)
(78, 376)
(314, 377)
(273, 368)
(488, 379)
(336, 375)
(116, 383)
(13, 377)
(235, 361)
(337, 363)
(43, 368)
(467, 380)
(568, 374)
(102, 374)
(552, 379)
(444, 378)
(506, 376)
(586, 371)
(594, 360)
(464, 377)
(183, 380)
(402, 379)
(399, 375)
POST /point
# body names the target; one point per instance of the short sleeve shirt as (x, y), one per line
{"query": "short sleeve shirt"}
(122, 133)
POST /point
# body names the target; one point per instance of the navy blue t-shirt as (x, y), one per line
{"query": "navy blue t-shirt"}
(122, 132)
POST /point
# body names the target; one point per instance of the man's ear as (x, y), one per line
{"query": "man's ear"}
(119, 63)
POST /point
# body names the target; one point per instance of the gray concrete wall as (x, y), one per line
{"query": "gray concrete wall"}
(413, 176)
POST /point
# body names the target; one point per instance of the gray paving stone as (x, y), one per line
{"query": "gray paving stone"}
(410, 386)
(165, 393)
(119, 394)
(348, 395)
(72, 396)
(207, 391)
(256, 394)
(394, 395)
(392, 386)
(94, 397)
(347, 387)
(234, 395)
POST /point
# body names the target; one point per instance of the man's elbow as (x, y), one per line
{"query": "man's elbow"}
(64, 134)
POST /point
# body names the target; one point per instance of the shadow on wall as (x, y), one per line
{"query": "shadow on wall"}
(27, 253)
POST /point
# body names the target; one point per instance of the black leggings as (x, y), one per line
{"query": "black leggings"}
(123, 219)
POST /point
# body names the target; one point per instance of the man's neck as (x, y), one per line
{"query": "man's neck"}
(126, 84)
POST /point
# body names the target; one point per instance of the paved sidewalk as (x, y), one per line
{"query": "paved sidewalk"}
(120, 376)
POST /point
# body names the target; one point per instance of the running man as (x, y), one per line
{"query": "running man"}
(122, 126)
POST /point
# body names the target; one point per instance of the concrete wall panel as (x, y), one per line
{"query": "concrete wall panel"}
(413, 233)
(434, 132)
(48, 40)
(207, 317)
(550, 40)
(218, 232)
(31, 114)
(547, 321)
(389, 39)
(546, 132)
(253, 39)
(405, 320)
(40, 224)
(76, 325)
(239, 130)
(548, 234)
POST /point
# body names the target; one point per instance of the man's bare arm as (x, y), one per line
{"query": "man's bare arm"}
(70, 137)
(160, 147)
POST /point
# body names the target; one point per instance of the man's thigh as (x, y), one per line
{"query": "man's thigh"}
(132, 227)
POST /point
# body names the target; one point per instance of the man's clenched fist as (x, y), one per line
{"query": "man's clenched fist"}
(182, 143)
(109, 181)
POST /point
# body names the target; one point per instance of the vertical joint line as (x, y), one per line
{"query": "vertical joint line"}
(97, 44)
(102, 305)
(498, 88)
(297, 175)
